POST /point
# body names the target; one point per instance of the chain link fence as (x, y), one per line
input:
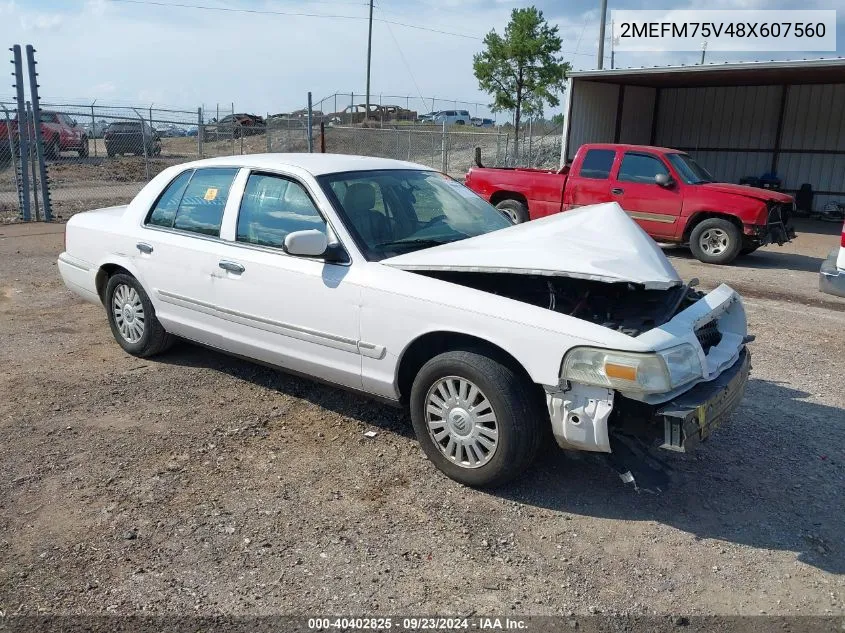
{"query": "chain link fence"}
(99, 156)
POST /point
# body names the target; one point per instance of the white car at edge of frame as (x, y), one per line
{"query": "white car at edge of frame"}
(394, 280)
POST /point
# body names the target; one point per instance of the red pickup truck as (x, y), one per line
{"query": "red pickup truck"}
(59, 132)
(671, 196)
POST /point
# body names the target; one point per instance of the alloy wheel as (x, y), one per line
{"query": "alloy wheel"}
(461, 422)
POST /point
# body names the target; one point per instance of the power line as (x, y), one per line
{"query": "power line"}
(298, 14)
(402, 56)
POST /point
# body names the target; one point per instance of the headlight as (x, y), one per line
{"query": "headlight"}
(633, 372)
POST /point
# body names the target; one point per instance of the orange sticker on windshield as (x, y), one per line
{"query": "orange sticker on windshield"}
(210, 194)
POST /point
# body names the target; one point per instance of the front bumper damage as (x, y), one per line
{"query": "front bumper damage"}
(777, 230)
(635, 436)
(691, 417)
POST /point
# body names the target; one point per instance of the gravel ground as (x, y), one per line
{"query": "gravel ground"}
(196, 483)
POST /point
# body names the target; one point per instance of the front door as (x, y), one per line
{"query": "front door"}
(656, 208)
(300, 313)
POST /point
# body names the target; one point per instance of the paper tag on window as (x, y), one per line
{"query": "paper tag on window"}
(210, 194)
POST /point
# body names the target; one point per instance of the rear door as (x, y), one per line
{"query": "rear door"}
(590, 183)
(655, 208)
(178, 251)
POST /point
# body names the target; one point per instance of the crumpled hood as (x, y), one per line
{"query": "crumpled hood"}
(748, 192)
(598, 242)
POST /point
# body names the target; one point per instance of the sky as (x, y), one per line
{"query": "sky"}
(165, 55)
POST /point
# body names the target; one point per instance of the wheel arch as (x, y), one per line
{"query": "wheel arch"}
(699, 216)
(502, 195)
(426, 346)
(104, 273)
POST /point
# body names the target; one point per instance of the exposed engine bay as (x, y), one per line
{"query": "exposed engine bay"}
(624, 307)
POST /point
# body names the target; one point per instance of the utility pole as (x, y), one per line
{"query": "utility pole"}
(703, 51)
(602, 27)
(369, 55)
(612, 43)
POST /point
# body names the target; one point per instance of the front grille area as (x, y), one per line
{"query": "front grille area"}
(708, 335)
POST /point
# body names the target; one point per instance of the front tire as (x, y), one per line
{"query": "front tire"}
(716, 241)
(515, 210)
(132, 318)
(83, 148)
(476, 419)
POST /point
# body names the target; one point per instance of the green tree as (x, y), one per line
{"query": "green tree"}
(522, 70)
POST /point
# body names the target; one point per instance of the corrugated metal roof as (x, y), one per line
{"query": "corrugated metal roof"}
(797, 71)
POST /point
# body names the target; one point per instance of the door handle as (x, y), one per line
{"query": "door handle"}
(232, 267)
(144, 247)
(616, 191)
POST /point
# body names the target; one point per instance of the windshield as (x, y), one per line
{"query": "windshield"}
(392, 212)
(690, 172)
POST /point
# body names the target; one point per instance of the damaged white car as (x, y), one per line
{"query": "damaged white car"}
(394, 280)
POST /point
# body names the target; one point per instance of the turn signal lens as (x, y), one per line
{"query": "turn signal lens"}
(622, 372)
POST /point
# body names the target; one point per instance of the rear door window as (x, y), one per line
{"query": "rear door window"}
(201, 208)
(164, 211)
(597, 163)
(194, 201)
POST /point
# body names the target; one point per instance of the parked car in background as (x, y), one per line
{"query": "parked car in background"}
(132, 137)
(354, 114)
(234, 126)
(392, 279)
(428, 117)
(478, 122)
(673, 198)
(8, 139)
(832, 273)
(170, 130)
(452, 117)
(192, 131)
(61, 133)
(95, 129)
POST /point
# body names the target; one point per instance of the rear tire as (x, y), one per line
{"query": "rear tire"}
(132, 318)
(490, 410)
(715, 241)
(515, 210)
(52, 150)
(83, 149)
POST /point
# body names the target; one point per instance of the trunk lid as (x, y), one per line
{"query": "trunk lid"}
(598, 242)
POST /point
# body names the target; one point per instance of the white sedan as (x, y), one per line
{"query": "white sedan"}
(394, 280)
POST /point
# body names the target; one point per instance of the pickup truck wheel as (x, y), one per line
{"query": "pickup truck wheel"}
(83, 148)
(515, 210)
(132, 318)
(475, 418)
(52, 150)
(716, 241)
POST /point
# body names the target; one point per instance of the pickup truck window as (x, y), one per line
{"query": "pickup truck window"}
(640, 168)
(597, 163)
(690, 172)
(271, 208)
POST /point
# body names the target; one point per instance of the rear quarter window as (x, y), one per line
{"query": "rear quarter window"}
(597, 163)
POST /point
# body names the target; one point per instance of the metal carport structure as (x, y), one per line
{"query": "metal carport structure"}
(736, 119)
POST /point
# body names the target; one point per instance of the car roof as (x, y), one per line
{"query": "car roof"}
(315, 164)
(634, 148)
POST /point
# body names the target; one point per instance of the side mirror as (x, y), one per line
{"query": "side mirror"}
(664, 180)
(310, 243)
